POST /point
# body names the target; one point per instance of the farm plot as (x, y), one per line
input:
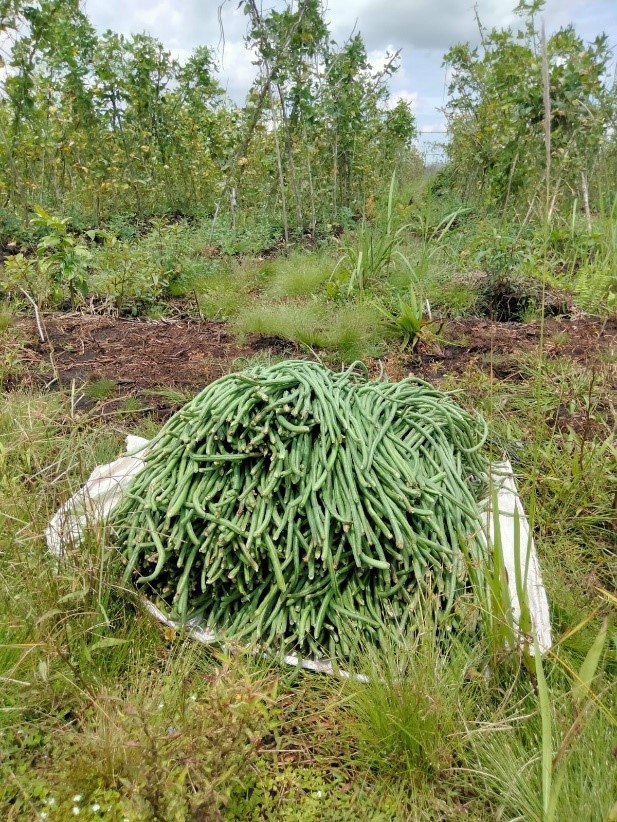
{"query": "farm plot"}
(85, 669)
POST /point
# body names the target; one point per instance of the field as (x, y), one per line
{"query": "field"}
(103, 704)
(155, 236)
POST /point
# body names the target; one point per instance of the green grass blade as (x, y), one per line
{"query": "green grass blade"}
(521, 580)
(590, 664)
(547, 732)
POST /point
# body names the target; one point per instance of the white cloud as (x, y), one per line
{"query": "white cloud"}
(236, 62)
(410, 97)
(433, 128)
(422, 24)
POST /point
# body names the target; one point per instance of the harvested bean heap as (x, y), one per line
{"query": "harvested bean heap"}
(301, 508)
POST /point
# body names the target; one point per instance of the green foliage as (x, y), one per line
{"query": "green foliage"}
(307, 793)
(20, 271)
(11, 341)
(352, 332)
(61, 257)
(410, 718)
(300, 322)
(99, 124)
(431, 226)
(450, 293)
(131, 275)
(6, 319)
(378, 247)
(408, 322)
(297, 275)
(100, 389)
(503, 147)
(10, 226)
(349, 331)
(226, 287)
(251, 235)
(116, 118)
(176, 754)
(555, 427)
(540, 762)
(595, 276)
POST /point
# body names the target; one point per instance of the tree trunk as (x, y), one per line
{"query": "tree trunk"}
(585, 193)
(279, 165)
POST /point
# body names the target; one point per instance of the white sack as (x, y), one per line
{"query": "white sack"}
(94, 502)
(508, 501)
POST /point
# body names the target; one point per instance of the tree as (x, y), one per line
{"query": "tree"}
(326, 111)
(95, 124)
(92, 125)
(507, 137)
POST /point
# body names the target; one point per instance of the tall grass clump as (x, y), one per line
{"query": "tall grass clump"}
(549, 754)
(374, 254)
(349, 331)
(226, 289)
(409, 719)
(298, 322)
(298, 275)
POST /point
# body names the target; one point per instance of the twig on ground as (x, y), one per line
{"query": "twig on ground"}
(36, 313)
(42, 336)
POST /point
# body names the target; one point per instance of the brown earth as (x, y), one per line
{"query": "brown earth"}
(137, 354)
(186, 354)
(502, 346)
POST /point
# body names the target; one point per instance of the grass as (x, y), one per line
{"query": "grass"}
(348, 331)
(298, 274)
(512, 777)
(443, 247)
(102, 704)
(6, 319)
(409, 720)
(100, 389)
(108, 713)
(227, 289)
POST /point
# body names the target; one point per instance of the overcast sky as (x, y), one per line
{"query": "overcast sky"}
(423, 29)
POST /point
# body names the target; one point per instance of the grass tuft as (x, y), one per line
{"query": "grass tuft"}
(298, 275)
(349, 331)
(409, 719)
(100, 389)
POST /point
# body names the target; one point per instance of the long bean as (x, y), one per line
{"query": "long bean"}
(304, 508)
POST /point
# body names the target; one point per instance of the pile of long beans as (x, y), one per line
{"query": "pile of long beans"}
(302, 509)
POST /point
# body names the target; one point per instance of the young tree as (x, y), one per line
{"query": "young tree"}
(526, 115)
(102, 123)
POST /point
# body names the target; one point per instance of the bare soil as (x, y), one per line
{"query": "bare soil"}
(186, 354)
(138, 354)
(501, 346)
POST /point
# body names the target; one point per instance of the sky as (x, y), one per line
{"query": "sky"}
(423, 29)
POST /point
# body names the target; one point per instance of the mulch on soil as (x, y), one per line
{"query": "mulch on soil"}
(187, 354)
(139, 354)
(501, 346)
